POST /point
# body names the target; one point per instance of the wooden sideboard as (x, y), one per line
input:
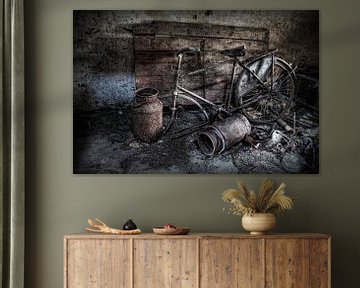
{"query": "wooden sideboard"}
(197, 260)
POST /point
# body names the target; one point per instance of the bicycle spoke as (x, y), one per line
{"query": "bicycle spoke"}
(269, 108)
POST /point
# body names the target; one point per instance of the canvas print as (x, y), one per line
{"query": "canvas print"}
(196, 92)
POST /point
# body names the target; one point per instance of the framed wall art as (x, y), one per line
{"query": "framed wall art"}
(196, 92)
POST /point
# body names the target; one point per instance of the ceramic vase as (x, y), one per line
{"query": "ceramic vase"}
(259, 223)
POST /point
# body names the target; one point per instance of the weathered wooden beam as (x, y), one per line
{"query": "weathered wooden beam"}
(201, 30)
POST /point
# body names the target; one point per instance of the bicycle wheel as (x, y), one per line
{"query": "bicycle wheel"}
(265, 104)
(187, 119)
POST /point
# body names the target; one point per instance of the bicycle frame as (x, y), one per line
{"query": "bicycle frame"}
(197, 100)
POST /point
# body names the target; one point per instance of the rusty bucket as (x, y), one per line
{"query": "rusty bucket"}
(223, 134)
(147, 115)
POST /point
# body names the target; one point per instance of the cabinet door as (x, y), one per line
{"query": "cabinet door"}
(166, 263)
(231, 263)
(98, 263)
(287, 263)
(320, 263)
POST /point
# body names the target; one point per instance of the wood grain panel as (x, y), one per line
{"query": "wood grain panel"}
(151, 57)
(88, 235)
(319, 263)
(166, 68)
(231, 263)
(287, 263)
(166, 82)
(201, 30)
(168, 44)
(150, 43)
(98, 263)
(165, 263)
(206, 260)
(221, 44)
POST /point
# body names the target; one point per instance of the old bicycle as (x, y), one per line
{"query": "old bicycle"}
(262, 88)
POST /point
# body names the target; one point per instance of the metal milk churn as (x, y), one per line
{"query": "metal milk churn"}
(223, 134)
(147, 115)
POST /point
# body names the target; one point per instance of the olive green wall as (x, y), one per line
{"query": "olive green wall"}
(59, 202)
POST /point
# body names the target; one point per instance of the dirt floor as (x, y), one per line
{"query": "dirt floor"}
(104, 144)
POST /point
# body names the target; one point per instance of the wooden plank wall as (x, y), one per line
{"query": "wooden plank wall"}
(156, 45)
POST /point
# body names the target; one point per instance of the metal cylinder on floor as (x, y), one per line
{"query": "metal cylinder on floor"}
(223, 134)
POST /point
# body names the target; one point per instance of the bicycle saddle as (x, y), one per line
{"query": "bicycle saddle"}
(234, 52)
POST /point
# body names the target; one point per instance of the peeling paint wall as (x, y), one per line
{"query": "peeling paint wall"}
(103, 51)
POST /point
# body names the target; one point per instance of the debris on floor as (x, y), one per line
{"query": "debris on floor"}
(104, 143)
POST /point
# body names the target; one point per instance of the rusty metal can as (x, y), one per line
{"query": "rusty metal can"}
(147, 115)
(223, 134)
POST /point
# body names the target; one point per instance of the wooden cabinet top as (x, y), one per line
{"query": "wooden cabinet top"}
(199, 236)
